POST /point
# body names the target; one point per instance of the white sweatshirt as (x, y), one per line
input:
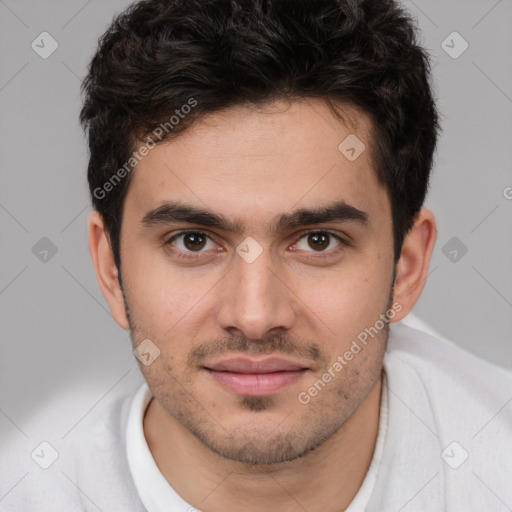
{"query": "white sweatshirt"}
(444, 444)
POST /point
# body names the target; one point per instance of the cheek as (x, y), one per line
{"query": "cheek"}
(349, 299)
(161, 295)
(167, 374)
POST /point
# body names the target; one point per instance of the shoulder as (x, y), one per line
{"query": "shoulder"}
(434, 358)
(82, 468)
(449, 427)
(464, 392)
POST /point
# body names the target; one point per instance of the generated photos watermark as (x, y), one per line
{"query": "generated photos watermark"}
(159, 133)
(357, 345)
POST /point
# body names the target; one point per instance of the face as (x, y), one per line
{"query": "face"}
(254, 253)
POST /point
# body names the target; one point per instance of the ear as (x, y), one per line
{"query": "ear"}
(412, 267)
(105, 268)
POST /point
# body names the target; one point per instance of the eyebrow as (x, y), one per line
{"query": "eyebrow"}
(172, 212)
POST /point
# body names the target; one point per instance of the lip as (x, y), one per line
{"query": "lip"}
(248, 365)
(253, 377)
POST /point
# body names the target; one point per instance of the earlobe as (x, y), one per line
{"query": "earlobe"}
(412, 267)
(105, 268)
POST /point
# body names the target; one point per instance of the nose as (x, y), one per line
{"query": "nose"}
(255, 301)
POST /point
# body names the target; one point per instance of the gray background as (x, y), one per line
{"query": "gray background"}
(57, 334)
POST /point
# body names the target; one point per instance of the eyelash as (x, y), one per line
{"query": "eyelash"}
(194, 256)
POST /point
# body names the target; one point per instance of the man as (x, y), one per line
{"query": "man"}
(257, 171)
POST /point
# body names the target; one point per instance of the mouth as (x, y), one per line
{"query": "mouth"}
(255, 377)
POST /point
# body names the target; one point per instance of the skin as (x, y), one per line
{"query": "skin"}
(222, 451)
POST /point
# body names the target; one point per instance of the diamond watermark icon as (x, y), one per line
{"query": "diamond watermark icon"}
(454, 455)
(44, 45)
(146, 352)
(249, 250)
(44, 455)
(454, 249)
(44, 250)
(352, 147)
(454, 45)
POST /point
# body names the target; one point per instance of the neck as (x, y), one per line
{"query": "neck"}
(212, 483)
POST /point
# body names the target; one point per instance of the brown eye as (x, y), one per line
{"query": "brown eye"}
(194, 241)
(191, 242)
(319, 241)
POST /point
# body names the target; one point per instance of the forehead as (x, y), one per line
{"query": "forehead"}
(254, 163)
